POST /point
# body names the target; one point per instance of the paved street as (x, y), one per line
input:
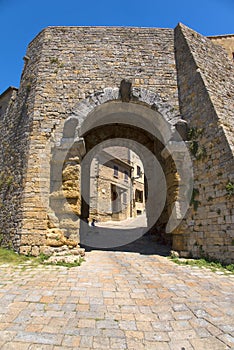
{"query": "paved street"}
(114, 233)
(116, 300)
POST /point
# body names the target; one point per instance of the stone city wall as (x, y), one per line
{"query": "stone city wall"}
(75, 62)
(65, 65)
(205, 79)
(16, 131)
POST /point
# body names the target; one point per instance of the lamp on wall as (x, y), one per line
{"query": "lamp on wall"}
(137, 177)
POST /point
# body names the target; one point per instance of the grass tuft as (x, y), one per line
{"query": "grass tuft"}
(203, 263)
(9, 257)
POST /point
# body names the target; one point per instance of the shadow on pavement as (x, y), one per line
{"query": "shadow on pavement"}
(146, 245)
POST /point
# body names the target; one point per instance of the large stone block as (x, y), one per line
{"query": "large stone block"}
(36, 239)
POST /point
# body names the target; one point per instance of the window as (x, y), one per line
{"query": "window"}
(125, 198)
(139, 196)
(116, 171)
(125, 175)
(138, 171)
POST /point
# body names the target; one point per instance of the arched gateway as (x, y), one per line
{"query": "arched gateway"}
(149, 89)
(105, 119)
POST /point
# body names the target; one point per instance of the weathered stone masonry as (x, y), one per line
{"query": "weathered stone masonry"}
(205, 80)
(70, 68)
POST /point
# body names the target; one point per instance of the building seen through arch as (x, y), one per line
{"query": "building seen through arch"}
(116, 185)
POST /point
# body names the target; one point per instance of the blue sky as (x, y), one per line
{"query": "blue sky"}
(22, 20)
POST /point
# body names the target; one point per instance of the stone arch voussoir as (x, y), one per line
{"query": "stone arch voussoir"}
(138, 95)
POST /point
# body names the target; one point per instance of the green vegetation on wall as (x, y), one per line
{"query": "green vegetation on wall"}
(194, 202)
(230, 189)
(198, 151)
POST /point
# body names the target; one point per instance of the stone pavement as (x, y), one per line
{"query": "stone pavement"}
(116, 300)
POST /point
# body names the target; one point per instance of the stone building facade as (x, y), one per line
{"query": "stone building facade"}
(116, 185)
(111, 188)
(167, 92)
(138, 183)
(7, 97)
(226, 41)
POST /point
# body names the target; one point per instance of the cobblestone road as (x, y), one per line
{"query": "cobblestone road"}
(116, 300)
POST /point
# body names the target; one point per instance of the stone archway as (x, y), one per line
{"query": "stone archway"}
(143, 115)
